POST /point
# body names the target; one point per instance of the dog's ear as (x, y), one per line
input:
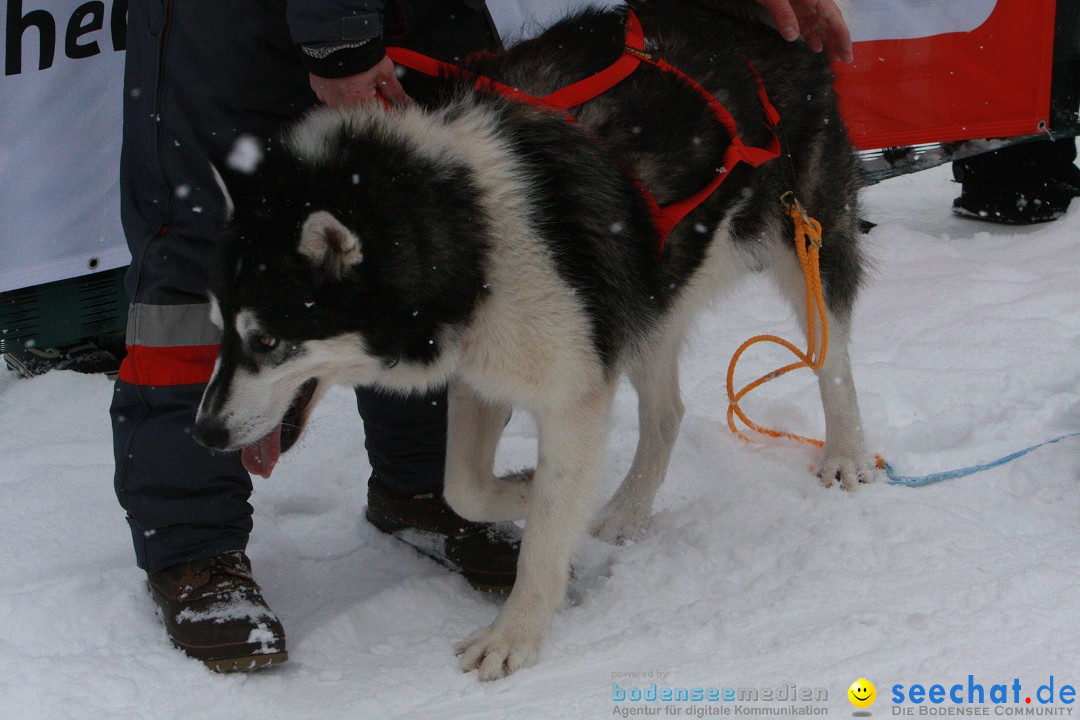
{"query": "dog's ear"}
(331, 247)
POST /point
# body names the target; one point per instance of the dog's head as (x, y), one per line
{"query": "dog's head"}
(351, 255)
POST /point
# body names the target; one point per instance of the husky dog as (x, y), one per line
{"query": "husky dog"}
(497, 247)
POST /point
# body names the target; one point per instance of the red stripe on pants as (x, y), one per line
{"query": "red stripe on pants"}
(165, 366)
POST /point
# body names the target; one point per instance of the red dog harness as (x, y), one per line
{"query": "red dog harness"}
(668, 216)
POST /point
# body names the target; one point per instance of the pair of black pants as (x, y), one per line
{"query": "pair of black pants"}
(199, 75)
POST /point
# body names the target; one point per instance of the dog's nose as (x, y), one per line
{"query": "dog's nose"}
(212, 433)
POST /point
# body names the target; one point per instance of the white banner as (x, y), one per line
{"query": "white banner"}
(910, 19)
(60, 109)
(60, 118)
(868, 19)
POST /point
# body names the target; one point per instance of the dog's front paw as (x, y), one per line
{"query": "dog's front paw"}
(620, 520)
(849, 471)
(488, 498)
(496, 652)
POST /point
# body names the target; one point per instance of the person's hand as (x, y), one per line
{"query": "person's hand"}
(360, 88)
(819, 22)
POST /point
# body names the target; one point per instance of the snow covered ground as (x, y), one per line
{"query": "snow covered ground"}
(753, 575)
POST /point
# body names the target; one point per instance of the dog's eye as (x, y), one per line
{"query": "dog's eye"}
(267, 342)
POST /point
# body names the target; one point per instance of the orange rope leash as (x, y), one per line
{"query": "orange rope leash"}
(808, 248)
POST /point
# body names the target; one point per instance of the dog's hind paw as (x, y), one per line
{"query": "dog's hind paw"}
(495, 653)
(848, 471)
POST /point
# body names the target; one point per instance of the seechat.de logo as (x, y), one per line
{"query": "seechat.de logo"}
(862, 693)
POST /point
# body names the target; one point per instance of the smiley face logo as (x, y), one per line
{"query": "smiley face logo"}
(862, 693)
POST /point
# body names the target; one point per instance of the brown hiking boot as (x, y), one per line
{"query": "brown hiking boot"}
(485, 554)
(215, 612)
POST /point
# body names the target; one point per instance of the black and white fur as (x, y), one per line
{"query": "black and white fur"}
(500, 249)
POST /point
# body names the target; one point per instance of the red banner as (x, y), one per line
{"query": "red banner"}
(993, 81)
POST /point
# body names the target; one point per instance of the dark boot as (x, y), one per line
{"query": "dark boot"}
(485, 554)
(1018, 185)
(214, 611)
(1035, 202)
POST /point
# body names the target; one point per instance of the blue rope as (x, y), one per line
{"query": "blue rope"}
(923, 480)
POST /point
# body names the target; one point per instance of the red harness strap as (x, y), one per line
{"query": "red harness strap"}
(668, 216)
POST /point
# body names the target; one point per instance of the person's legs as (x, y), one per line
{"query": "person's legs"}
(406, 436)
(198, 75)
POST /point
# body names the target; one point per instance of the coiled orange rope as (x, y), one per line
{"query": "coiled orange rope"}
(808, 248)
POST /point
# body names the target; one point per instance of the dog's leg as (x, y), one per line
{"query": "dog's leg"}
(472, 490)
(845, 458)
(571, 453)
(660, 412)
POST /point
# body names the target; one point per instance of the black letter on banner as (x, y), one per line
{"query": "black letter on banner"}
(17, 23)
(76, 28)
(119, 25)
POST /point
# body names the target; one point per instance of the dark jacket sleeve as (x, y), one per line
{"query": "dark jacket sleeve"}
(340, 37)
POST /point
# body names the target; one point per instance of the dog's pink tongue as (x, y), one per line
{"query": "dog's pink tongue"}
(261, 456)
